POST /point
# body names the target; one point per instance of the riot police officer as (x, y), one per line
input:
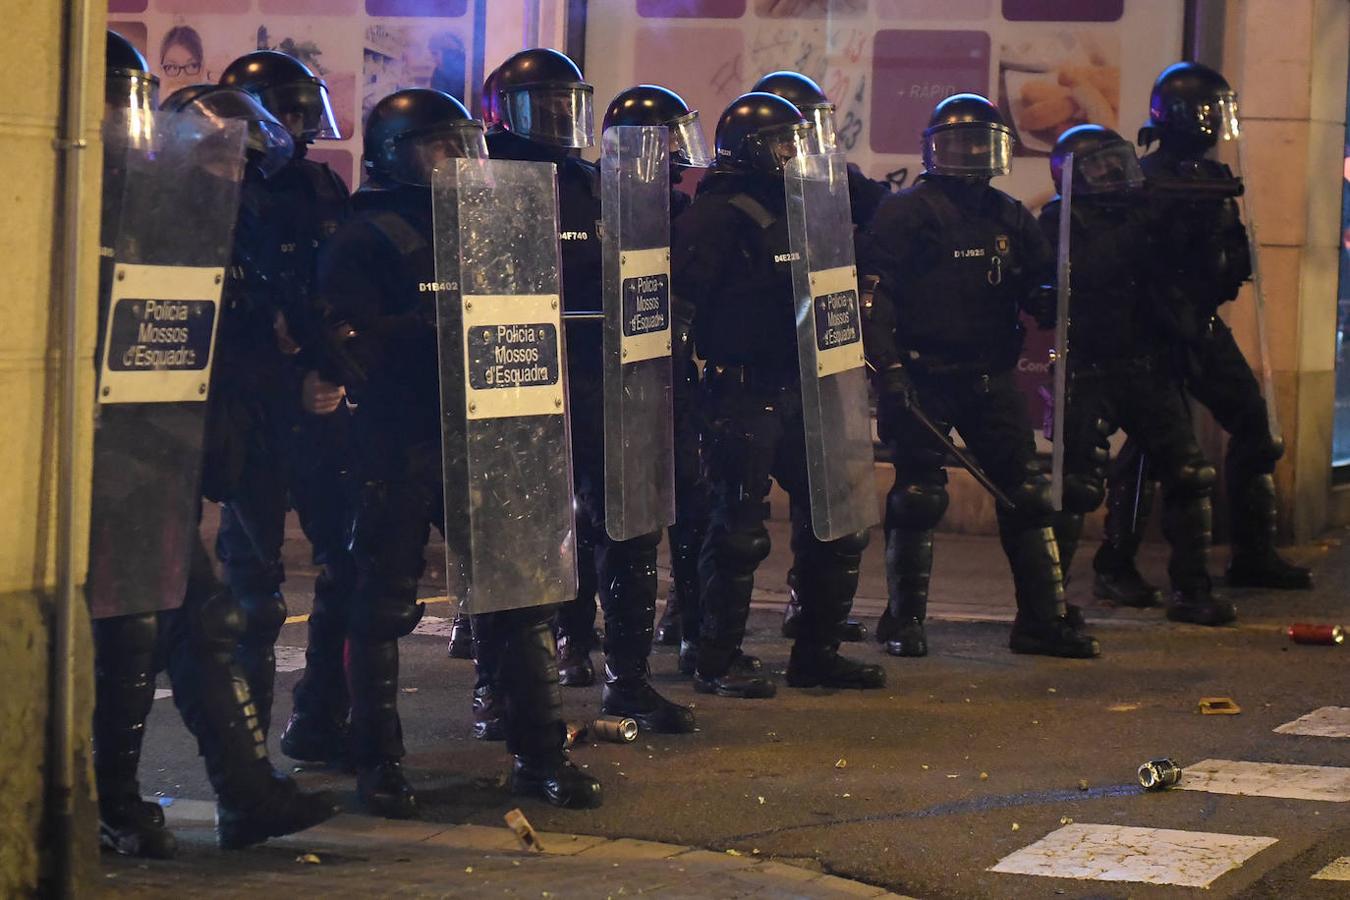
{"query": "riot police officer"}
(956, 261)
(378, 278)
(194, 640)
(865, 196)
(650, 104)
(1207, 259)
(731, 260)
(545, 110)
(1119, 366)
(291, 449)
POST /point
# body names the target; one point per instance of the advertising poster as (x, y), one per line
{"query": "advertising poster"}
(363, 49)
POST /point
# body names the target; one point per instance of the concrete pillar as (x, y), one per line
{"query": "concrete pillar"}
(1287, 59)
(30, 344)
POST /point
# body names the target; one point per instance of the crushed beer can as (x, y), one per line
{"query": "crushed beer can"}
(1159, 774)
(576, 733)
(1307, 633)
(525, 833)
(616, 729)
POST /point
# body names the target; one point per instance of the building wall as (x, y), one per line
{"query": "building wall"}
(30, 342)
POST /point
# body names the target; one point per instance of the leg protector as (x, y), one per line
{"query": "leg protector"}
(727, 568)
(124, 691)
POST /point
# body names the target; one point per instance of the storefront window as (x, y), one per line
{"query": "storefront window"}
(1340, 447)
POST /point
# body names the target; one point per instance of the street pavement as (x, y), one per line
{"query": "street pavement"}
(971, 760)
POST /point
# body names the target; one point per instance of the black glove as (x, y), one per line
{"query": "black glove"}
(896, 390)
(1042, 303)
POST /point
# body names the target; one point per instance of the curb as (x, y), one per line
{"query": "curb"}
(353, 830)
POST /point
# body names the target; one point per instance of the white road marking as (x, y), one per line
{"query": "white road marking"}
(1123, 853)
(1336, 870)
(1257, 779)
(1329, 721)
(289, 659)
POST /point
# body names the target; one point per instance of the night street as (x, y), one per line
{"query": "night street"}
(920, 788)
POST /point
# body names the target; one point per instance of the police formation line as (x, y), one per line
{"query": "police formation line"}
(474, 342)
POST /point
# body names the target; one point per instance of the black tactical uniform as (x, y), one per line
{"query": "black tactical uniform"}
(266, 453)
(1206, 259)
(731, 259)
(194, 641)
(623, 572)
(650, 104)
(1120, 372)
(957, 261)
(378, 278)
(865, 196)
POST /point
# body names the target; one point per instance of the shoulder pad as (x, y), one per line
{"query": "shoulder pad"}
(401, 235)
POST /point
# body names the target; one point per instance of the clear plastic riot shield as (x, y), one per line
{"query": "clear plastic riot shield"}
(639, 424)
(830, 347)
(510, 531)
(159, 309)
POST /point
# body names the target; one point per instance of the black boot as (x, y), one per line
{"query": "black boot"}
(575, 668)
(813, 666)
(668, 627)
(461, 638)
(852, 632)
(1199, 605)
(384, 790)
(826, 580)
(632, 695)
(489, 723)
(1255, 563)
(377, 731)
(1042, 626)
(317, 730)
(264, 614)
(909, 565)
(1129, 501)
(124, 690)
(527, 675)
(254, 802)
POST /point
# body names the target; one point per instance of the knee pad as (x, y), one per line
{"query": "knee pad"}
(218, 621)
(741, 549)
(1194, 478)
(1031, 498)
(388, 619)
(263, 617)
(916, 507)
(1083, 493)
(1254, 454)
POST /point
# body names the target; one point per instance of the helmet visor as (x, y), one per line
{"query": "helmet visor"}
(269, 144)
(1219, 119)
(560, 115)
(125, 89)
(1111, 168)
(688, 144)
(790, 142)
(976, 150)
(303, 107)
(822, 116)
(416, 156)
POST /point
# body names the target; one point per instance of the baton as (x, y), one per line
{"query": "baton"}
(962, 457)
(1138, 491)
(583, 316)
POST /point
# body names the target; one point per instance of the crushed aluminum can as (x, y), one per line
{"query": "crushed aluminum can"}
(1159, 774)
(616, 729)
(1307, 633)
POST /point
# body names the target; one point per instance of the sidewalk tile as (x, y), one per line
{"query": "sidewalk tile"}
(632, 849)
(782, 872)
(475, 837)
(848, 888)
(557, 843)
(710, 860)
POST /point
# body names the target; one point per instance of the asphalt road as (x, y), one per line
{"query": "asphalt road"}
(921, 787)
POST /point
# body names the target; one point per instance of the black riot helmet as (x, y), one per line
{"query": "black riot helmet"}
(268, 146)
(288, 89)
(651, 104)
(760, 132)
(807, 96)
(1191, 109)
(412, 131)
(129, 84)
(966, 137)
(542, 97)
(1103, 161)
(492, 110)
